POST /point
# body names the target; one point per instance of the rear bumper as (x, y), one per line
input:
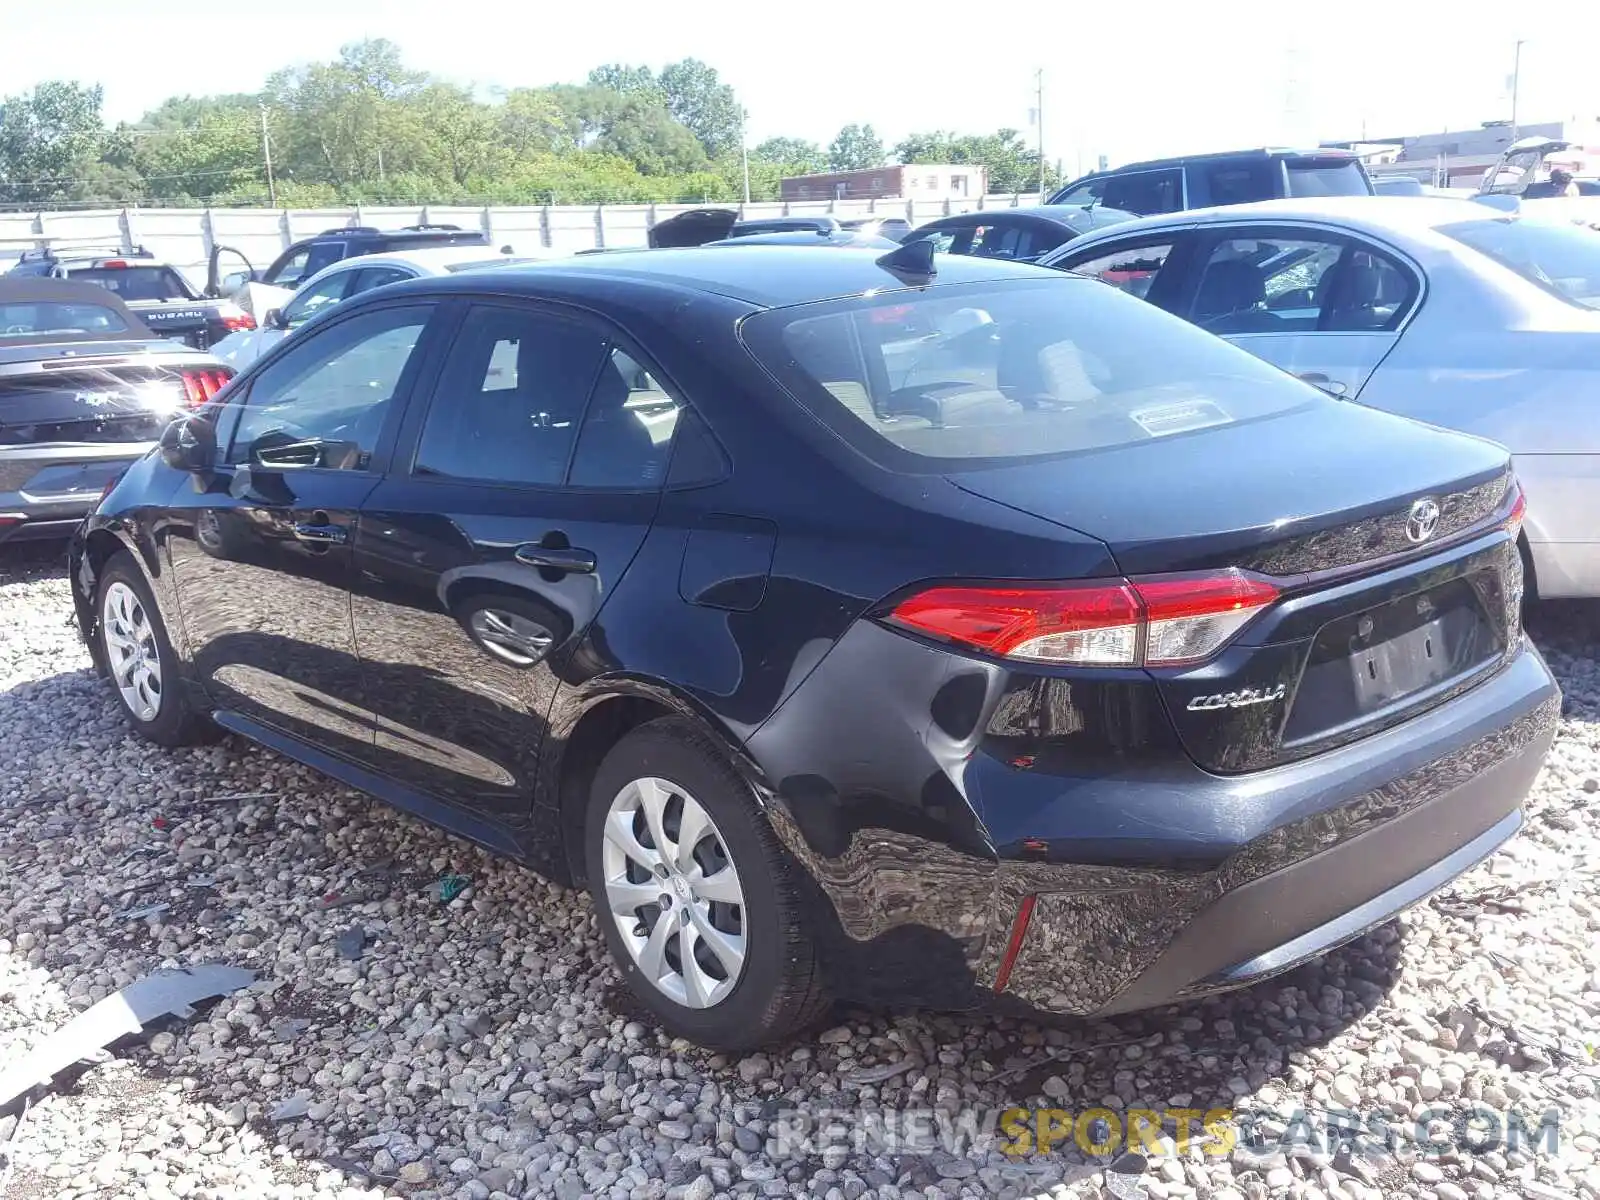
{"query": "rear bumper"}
(1108, 940)
(46, 490)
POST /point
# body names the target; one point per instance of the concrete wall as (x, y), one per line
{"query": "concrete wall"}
(184, 237)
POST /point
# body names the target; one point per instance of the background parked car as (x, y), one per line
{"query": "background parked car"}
(351, 277)
(514, 551)
(1166, 185)
(157, 291)
(230, 270)
(85, 388)
(1019, 234)
(1443, 310)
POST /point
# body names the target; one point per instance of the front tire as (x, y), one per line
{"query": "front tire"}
(694, 894)
(139, 660)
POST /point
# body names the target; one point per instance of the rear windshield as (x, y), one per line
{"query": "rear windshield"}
(1562, 258)
(136, 283)
(1327, 177)
(21, 322)
(953, 377)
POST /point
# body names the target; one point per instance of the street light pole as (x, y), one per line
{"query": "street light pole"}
(1038, 101)
(744, 152)
(1516, 79)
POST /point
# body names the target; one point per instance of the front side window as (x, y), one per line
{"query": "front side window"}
(323, 403)
(314, 298)
(291, 270)
(376, 277)
(964, 375)
(511, 397)
(1133, 269)
(1264, 285)
(1144, 193)
(1561, 258)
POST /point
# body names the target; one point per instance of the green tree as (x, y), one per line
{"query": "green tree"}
(856, 148)
(795, 155)
(618, 77)
(192, 148)
(631, 126)
(704, 105)
(460, 132)
(1011, 166)
(532, 122)
(49, 137)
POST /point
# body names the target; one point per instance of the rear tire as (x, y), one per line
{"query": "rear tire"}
(708, 931)
(140, 664)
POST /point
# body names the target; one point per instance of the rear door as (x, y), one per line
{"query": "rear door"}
(533, 473)
(1324, 306)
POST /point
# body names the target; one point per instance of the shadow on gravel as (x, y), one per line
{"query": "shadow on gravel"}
(29, 562)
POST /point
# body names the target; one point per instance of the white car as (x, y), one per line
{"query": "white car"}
(1447, 311)
(349, 277)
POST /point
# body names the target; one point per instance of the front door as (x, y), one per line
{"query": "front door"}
(530, 480)
(261, 557)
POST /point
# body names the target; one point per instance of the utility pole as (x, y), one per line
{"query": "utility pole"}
(266, 154)
(744, 152)
(1516, 79)
(1038, 100)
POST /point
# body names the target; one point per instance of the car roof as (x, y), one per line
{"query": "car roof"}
(1378, 215)
(430, 260)
(37, 289)
(769, 276)
(1219, 155)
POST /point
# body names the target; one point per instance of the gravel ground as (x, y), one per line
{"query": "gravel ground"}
(480, 1047)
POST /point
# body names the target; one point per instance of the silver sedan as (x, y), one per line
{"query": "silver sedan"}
(1443, 310)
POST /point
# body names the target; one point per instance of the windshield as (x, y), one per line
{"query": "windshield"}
(1561, 258)
(948, 377)
(136, 283)
(33, 320)
(1327, 177)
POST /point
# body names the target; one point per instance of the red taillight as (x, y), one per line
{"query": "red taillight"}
(1161, 620)
(235, 319)
(200, 386)
(1519, 508)
(115, 264)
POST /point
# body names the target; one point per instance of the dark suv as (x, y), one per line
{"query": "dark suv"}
(305, 258)
(1165, 185)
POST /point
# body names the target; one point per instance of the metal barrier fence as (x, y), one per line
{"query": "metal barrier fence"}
(186, 236)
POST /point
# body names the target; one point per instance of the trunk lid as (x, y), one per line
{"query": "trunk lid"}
(1400, 585)
(1324, 486)
(87, 398)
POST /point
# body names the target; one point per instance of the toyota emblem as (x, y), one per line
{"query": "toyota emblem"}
(1422, 522)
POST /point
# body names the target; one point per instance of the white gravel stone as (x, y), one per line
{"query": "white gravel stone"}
(478, 1049)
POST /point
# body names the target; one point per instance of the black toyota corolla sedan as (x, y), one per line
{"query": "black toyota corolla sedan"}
(848, 629)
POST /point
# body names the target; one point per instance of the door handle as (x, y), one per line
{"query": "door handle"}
(556, 558)
(322, 535)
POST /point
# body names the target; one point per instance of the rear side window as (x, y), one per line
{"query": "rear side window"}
(1327, 177)
(1240, 181)
(511, 397)
(1561, 258)
(135, 283)
(957, 376)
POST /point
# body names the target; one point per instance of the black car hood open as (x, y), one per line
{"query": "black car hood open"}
(1323, 486)
(693, 228)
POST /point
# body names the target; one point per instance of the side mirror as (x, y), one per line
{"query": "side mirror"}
(1320, 381)
(276, 320)
(190, 444)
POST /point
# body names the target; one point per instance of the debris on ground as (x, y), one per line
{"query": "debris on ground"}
(172, 991)
(351, 942)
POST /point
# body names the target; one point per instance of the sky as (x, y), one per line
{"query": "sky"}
(1124, 80)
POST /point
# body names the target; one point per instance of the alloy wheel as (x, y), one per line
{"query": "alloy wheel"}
(131, 651)
(674, 892)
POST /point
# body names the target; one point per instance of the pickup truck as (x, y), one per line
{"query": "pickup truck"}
(156, 292)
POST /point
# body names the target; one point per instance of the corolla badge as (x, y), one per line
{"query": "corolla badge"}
(1243, 698)
(1422, 522)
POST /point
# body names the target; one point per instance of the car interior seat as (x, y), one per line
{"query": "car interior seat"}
(1230, 299)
